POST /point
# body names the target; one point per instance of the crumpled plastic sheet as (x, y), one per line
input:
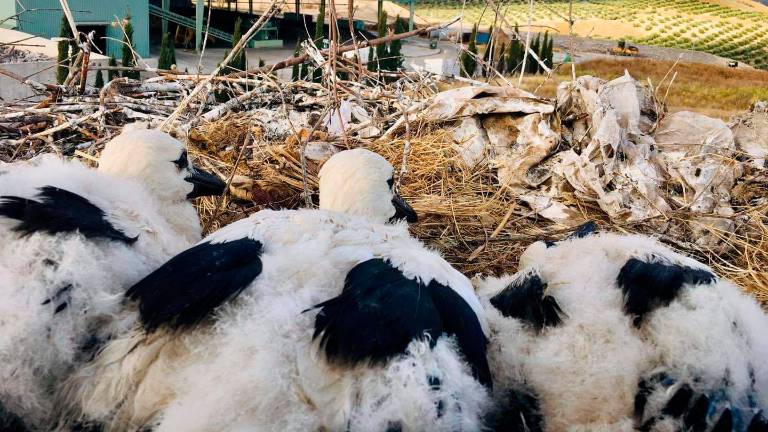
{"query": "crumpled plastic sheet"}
(622, 157)
(470, 101)
(348, 115)
(750, 132)
(699, 155)
(471, 141)
(534, 141)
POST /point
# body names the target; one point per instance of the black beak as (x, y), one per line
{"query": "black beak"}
(403, 210)
(204, 183)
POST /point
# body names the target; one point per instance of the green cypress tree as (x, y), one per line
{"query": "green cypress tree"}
(128, 60)
(99, 82)
(468, 61)
(532, 66)
(62, 70)
(167, 53)
(112, 74)
(317, 74)
(396, 47)
(551, 53)
(513, 52)
(501, 63)
(238, 62)
(382, 53)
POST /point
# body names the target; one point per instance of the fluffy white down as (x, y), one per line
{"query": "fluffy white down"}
(146, 156)
(38, 348)
(586, 371)
(256, 367)
(355, 182)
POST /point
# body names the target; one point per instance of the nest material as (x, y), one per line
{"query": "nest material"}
(477, 225)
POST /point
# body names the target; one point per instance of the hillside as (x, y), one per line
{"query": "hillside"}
(711, 90)
(734, 29)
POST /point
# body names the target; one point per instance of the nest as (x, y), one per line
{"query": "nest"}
(477, 225)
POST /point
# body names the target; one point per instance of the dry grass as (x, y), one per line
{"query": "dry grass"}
(478, 226)
(711, 90)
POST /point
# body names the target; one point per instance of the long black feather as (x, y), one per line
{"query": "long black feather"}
(190, 286)
(759, 423)
(59, 211)
(519, 411)
(650, 285)
(10, 422)
(525, 300)
(380, 312)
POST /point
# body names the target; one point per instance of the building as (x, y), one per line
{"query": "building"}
(7, 11)
(43, 18)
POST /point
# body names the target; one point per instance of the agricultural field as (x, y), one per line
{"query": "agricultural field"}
(735, 29)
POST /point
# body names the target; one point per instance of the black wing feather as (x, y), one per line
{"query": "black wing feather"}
(190, 286)
(59, 211)
(460, 320)
(380, 312)
(525, 300)
(377, 315)
(10, 422)
(650, 285)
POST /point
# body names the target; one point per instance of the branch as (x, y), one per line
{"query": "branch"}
(291, 61)
(235, 51)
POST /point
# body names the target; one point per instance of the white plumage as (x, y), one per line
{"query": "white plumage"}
(618, 334)
(254, 364)
(62, 291)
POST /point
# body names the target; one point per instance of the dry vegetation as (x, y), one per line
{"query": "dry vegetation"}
(712, 90)
(728, 28)
(477, 225)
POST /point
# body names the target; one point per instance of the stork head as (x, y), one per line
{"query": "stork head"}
(159, 162)
(360, 182)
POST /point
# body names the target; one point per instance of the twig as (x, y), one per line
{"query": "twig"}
(291, 61)
(248, 142)
(235, 51)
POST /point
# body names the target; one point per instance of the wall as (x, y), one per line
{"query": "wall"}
(7, 9)
(47, 23)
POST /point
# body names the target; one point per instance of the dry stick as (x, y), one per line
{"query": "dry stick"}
(407, 144)
(570, 40)
(70, 19)
(494, 234)
(86, 47)
(527, 44)
(333, 59)
(205, 42)
(303, 157)
(34, 84)
(219, 205)
(528, 49)
(235, 51)
(291, 61)
(74, 69)
(67, 124)
(350, 22)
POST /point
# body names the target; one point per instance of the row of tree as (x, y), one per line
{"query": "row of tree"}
(505, 59)
(68, 49)
(384, 57)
